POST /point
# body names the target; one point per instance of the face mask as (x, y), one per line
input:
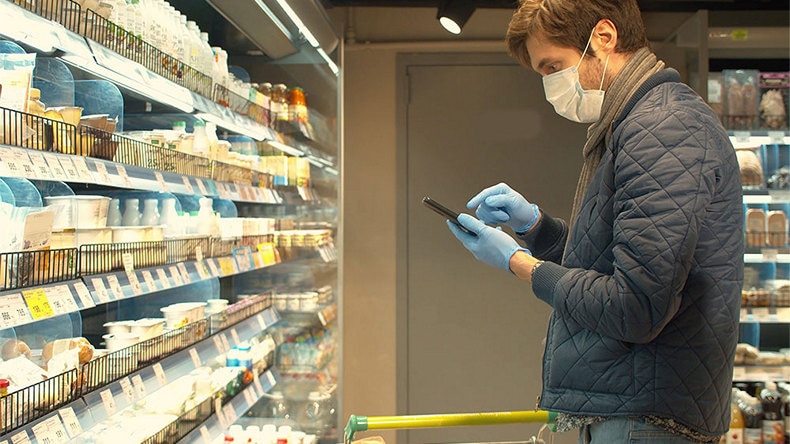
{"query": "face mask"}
(569, 99)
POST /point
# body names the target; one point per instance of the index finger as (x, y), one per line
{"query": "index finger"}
(474, 202)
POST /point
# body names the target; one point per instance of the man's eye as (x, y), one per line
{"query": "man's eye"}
(554, 67)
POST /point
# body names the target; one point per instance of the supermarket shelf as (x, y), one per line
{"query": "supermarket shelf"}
(766, 196)
(87, 412)
(753, 139)
(24, 306)
(766, 315)
(767, 255)
(743, 373)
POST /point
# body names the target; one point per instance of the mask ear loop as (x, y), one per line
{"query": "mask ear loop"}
(585, 49)
(606, 63)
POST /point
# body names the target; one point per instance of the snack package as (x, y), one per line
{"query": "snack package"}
(740, 99)
(774, 100)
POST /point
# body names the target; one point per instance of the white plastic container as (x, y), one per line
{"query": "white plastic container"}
(75, 237)
(148, 328)
(118, 327)
(79, 211)
(118, 341)
(178, 315)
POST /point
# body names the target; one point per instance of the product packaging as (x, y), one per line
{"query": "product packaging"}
(16, 71)
(774, 100)
(740, 99)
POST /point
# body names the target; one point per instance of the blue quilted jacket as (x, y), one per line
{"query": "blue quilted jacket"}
(646, 302)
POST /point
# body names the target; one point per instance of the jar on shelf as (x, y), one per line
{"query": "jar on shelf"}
(266, 90)
(297, 105)
(279, 104)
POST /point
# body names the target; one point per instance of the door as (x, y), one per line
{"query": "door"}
(470, 336)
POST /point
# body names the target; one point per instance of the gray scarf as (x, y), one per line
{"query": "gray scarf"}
(641, 65)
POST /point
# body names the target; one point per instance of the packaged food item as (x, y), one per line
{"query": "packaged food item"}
(774, 100)
(740, 99)
(715, 92)
(16, 71)
(773, 423)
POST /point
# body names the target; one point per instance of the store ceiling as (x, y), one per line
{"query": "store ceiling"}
(646, 5)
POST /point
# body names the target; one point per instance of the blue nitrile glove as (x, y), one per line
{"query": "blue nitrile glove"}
(492, 246)
(500, 204)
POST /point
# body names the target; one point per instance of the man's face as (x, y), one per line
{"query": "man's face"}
(548, 58)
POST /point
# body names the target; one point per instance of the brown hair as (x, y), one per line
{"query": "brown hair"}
(569, 23)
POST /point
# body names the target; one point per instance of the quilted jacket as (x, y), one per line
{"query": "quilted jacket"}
(646, 302)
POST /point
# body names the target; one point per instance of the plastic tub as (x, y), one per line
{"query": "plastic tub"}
(178, 315)
(118, 341)
(74, 238)
(118, 327)
(79, 211)
(148, 328)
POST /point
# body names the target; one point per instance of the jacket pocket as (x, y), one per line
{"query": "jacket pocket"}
(583, 360)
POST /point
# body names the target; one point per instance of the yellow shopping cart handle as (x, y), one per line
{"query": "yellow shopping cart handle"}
(363, 423)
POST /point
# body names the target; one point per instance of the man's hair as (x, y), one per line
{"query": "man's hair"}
(568, 23)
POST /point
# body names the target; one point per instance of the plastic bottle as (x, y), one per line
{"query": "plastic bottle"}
(773, 423)
(207, 224)
(752, 411)
(735, 434)
(200, 142)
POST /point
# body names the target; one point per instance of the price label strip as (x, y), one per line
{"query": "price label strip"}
(229, 412)
(109, 402)
(128, 265)
(50, 431)
(40, 166)
(73, 426)
(19, 164)
(193, 353)
(218, 344)
(61, 299)
(149, 281)
(163, 279)
(160, 374)
(82, 168)
(182, 268)
(84, 295)
(188, 184)
(102, 175)
(223, 422)
(204, 433)
(38, 303)
(115, 286)
(13, 310)
(101, 291)
(176, 276)
(20, 438)
(127, 388)
(212, 266)
(70, 169)
(56, 168)
(201, 187)
(161, 180)
(124, 176)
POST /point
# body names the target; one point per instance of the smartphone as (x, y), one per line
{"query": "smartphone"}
(449, 214)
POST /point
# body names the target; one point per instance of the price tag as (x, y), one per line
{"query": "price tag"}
(61, 299)
(161, 180)
(109, 402)
(160, 374)
(218, 344)
(101, 291)
(776, 136)
(13, 311)
(128, 390)
(739, 373)
(124, 176)
(256, 381)
(243, 261)
(176, 276)
(73, 426)
(50, 431)
(102, 175)
(257, 258)
(201, 269)
(19, 164)
(71, 170)
(204, 433)
(267, 253)
(182, 268)
(139, 386)
(82, 168)
(229, 412)
(199, 253)
(249, 397)
(235, 336)
(38, 303)
(160, 272)
(5, 154)
(225, 342)
(115, 286)
(227, 265)
(128, 266)
(270, 378)
(84, 295)
(223, 422)
(212, 265)
(20, 438)
(261, 322)
(770, 254)
(195, 358)
(739, 35)
(188, 184)
(761, 314)
(149, 280)
(40, 166)
(58, 173)
(201, 187)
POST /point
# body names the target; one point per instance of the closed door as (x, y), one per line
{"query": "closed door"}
(471, 335)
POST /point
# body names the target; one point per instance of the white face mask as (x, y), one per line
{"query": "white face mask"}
(570, 100)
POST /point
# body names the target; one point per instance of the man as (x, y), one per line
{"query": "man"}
(645, 281)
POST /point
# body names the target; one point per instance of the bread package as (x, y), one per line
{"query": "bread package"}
(84, 348)
(13, 348)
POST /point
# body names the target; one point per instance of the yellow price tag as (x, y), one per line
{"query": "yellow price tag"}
(226, 266)
(37, 302)
(740, 35)
(267, 253)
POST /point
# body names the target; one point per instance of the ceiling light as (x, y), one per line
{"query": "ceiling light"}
(453, 14)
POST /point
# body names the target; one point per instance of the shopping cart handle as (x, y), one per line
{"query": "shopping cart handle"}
(363, 423)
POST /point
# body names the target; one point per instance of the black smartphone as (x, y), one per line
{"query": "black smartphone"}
(449, 214)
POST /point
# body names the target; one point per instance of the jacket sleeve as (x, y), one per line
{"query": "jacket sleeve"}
(664, 177)
(546, 240)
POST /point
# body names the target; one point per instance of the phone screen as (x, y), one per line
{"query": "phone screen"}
(449, 214)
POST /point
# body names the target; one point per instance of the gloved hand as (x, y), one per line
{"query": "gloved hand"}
(501, 204)
(492, 246)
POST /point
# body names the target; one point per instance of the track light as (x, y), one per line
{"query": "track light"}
(453, 14)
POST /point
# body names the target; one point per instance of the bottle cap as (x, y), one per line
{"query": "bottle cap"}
(4, 383)
(199, 123)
